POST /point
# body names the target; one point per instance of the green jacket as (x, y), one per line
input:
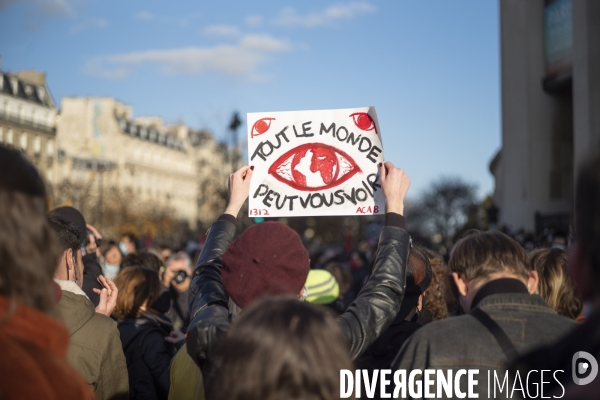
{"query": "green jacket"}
(95, 349)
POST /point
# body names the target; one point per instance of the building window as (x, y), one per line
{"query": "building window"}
(1, 135)
(23, 141)
(37, 145)
(41, 93)
(50, 148)
(9, 137)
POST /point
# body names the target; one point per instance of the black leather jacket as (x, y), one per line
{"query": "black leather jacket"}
(364, 320)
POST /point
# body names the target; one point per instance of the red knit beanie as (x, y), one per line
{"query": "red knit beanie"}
(268, 258)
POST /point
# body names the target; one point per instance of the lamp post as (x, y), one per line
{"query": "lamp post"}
(233, 127)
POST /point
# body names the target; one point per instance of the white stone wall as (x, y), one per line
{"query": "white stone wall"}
(155, 173)
(38, 146)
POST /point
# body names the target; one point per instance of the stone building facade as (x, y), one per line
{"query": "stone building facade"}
(28, 119)
(102, 144)
(550, 82)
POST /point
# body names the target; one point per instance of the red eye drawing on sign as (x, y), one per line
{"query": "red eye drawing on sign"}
(261, 126)
(364, 121)
(314, 166)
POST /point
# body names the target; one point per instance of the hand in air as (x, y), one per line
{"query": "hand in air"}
(92, 246)
(395, 184)
(239, 188)
(108, 296)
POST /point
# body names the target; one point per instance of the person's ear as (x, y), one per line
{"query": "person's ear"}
(460, 280)
(70, 259)
(533, 281)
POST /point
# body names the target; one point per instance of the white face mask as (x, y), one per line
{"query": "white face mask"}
(123, 248)
(110, 271)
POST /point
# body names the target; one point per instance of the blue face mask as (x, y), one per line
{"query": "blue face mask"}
(110, 271)
(123, 248)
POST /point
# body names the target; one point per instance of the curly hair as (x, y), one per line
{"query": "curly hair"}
(435, 295)
(555, 285)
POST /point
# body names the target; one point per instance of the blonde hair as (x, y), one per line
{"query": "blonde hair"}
(435, 294)
(555, 285)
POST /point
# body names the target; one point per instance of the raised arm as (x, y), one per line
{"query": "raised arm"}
(208, 300)
(379, 300)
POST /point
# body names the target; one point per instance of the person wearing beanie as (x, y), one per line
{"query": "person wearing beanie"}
(91, 267)
(321, 287)
(270, 259)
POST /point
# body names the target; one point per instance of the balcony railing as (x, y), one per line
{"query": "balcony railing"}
(26, 122)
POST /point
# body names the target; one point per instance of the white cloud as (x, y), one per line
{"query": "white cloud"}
(144, 15)
(241, 59)
(93, 23)
(253, 20)
(264, 43)
(53, 8)
(221, 30)
(290, 18)
(182, 22)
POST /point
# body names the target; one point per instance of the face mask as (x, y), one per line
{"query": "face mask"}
(110, 271)
(123, 248)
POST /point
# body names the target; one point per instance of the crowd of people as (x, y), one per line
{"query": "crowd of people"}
(254, 315)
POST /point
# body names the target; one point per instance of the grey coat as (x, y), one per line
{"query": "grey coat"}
(464, 343)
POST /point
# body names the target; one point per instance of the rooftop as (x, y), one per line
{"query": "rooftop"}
(13, 85)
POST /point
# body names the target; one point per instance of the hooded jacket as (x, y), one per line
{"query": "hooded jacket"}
(365, 319)
(33, 361)
(148, 355)
(94, 346)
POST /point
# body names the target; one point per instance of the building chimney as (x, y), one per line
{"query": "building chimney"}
(35, 77)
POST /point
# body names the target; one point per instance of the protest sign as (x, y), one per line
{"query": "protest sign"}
(310, 163)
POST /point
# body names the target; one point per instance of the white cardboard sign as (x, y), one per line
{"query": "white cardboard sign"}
(310, 163)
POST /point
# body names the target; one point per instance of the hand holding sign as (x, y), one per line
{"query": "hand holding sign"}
(395, 184)
(311, 163)
(239, 187)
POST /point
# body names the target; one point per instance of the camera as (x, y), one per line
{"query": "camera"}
(180, 277)
(86, 241)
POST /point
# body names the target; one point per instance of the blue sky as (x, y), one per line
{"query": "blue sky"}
(430, 67)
